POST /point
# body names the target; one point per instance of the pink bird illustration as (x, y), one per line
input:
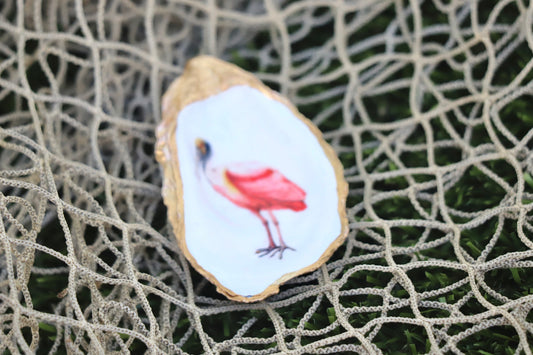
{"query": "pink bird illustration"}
(255, 188)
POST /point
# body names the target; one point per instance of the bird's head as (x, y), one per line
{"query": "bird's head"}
(203, 151)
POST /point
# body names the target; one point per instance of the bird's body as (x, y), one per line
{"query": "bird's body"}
(256, 188)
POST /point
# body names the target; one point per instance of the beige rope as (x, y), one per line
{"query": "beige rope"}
(80, 89)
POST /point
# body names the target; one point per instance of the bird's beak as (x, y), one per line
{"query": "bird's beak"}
(197, 168)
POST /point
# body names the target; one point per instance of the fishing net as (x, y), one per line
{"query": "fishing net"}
(427, 103)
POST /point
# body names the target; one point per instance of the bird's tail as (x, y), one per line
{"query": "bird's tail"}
(296, 206)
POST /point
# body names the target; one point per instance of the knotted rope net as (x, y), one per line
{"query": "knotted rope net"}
(427, 103)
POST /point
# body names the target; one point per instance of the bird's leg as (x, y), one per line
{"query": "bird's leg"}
(271, 245)
(282, 245)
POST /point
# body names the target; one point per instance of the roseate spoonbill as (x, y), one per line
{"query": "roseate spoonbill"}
(255, 188)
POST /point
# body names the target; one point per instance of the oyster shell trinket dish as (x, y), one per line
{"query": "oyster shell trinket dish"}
(254, 194)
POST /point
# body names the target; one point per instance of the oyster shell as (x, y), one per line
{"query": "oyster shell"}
(254, 193)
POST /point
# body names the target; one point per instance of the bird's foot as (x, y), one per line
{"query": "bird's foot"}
(280, 249)
(273, 250)
(267, 251)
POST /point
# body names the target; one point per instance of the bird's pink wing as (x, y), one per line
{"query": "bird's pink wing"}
(270, 187)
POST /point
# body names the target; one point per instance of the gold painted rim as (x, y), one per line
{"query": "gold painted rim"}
(205, 76)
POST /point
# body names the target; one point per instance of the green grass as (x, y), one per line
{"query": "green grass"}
(473, 192)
